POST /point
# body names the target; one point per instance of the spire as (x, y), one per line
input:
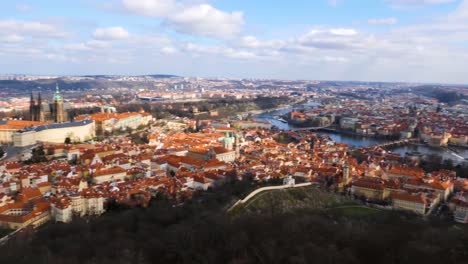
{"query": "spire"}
(57, 96)
(346, 172)
(39, 99)
(31, 107)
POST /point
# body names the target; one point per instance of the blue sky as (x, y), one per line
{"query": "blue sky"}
(375, 40)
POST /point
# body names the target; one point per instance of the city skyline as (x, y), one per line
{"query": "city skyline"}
(388, 40)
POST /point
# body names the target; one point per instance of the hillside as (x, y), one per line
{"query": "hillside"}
(289, 200)
(201, 232)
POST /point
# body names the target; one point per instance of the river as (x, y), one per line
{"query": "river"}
(458, 155)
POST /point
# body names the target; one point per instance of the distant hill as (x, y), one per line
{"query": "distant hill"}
(49, 85)
(98, 82)
(161, 76)
(156, 76)
(445, 94)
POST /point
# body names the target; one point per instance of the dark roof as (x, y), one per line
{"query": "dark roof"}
(58, 125)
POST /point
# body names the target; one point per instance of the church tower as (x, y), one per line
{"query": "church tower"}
(31, 107)
(346, 173)
(237, 146)
(228, 142)
(39, 108)
(345, 177)
(35, 109)
(58, 106)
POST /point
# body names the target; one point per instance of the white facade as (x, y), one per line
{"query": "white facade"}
(6, 135)
(227, 157)
(80, 206)
(80, 131)
(119, 176)
(132, 121)
(94, 206)
(61, 214)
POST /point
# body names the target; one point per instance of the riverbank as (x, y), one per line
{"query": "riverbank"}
(336, 130)
(270, 110)
(259, 112)
(457, 155)
(358, 141)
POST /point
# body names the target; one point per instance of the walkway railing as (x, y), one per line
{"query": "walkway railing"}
(5, 239)
(254, 193)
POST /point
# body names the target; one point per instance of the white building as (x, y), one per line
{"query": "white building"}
(111, 174)
(86, 203)
(55, 133)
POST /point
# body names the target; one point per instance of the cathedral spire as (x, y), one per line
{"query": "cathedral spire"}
(58, 111)
(57, 96)
(31, 107)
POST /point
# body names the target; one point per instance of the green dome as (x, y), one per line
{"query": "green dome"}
(57, 96)
(228, 139)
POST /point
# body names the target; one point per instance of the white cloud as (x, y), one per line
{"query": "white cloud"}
(334, 38)
(98, 44)
(333, 59)
(433, 50)
(197, 50)
(155, 8)
(238, 54)
(76, 47)
(334, 31)
(444, 30)
(461, 12)
(168, 50)
(205, 20)
(196, 19)
(30, 28)
(253, 42)
(343, 31)
(87, 46)
(12, 38)
(111, 33)
(383, 21)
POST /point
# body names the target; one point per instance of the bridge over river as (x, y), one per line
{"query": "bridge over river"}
(397, 143)
(327, 128)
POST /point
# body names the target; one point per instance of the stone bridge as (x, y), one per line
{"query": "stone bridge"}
(396, 143)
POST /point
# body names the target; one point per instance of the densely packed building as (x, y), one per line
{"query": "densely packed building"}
(82, 179)
(404, 116)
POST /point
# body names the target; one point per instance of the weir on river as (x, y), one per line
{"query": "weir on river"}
(310, 128)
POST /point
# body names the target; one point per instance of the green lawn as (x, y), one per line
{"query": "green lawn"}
(290, 199)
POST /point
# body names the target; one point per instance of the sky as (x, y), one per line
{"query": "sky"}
(366, 40)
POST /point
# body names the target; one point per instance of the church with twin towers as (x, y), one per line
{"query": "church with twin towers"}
(49, 112)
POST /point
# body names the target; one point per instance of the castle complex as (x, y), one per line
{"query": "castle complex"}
(53, 112)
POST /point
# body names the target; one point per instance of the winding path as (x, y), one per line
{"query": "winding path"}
(254, 193)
